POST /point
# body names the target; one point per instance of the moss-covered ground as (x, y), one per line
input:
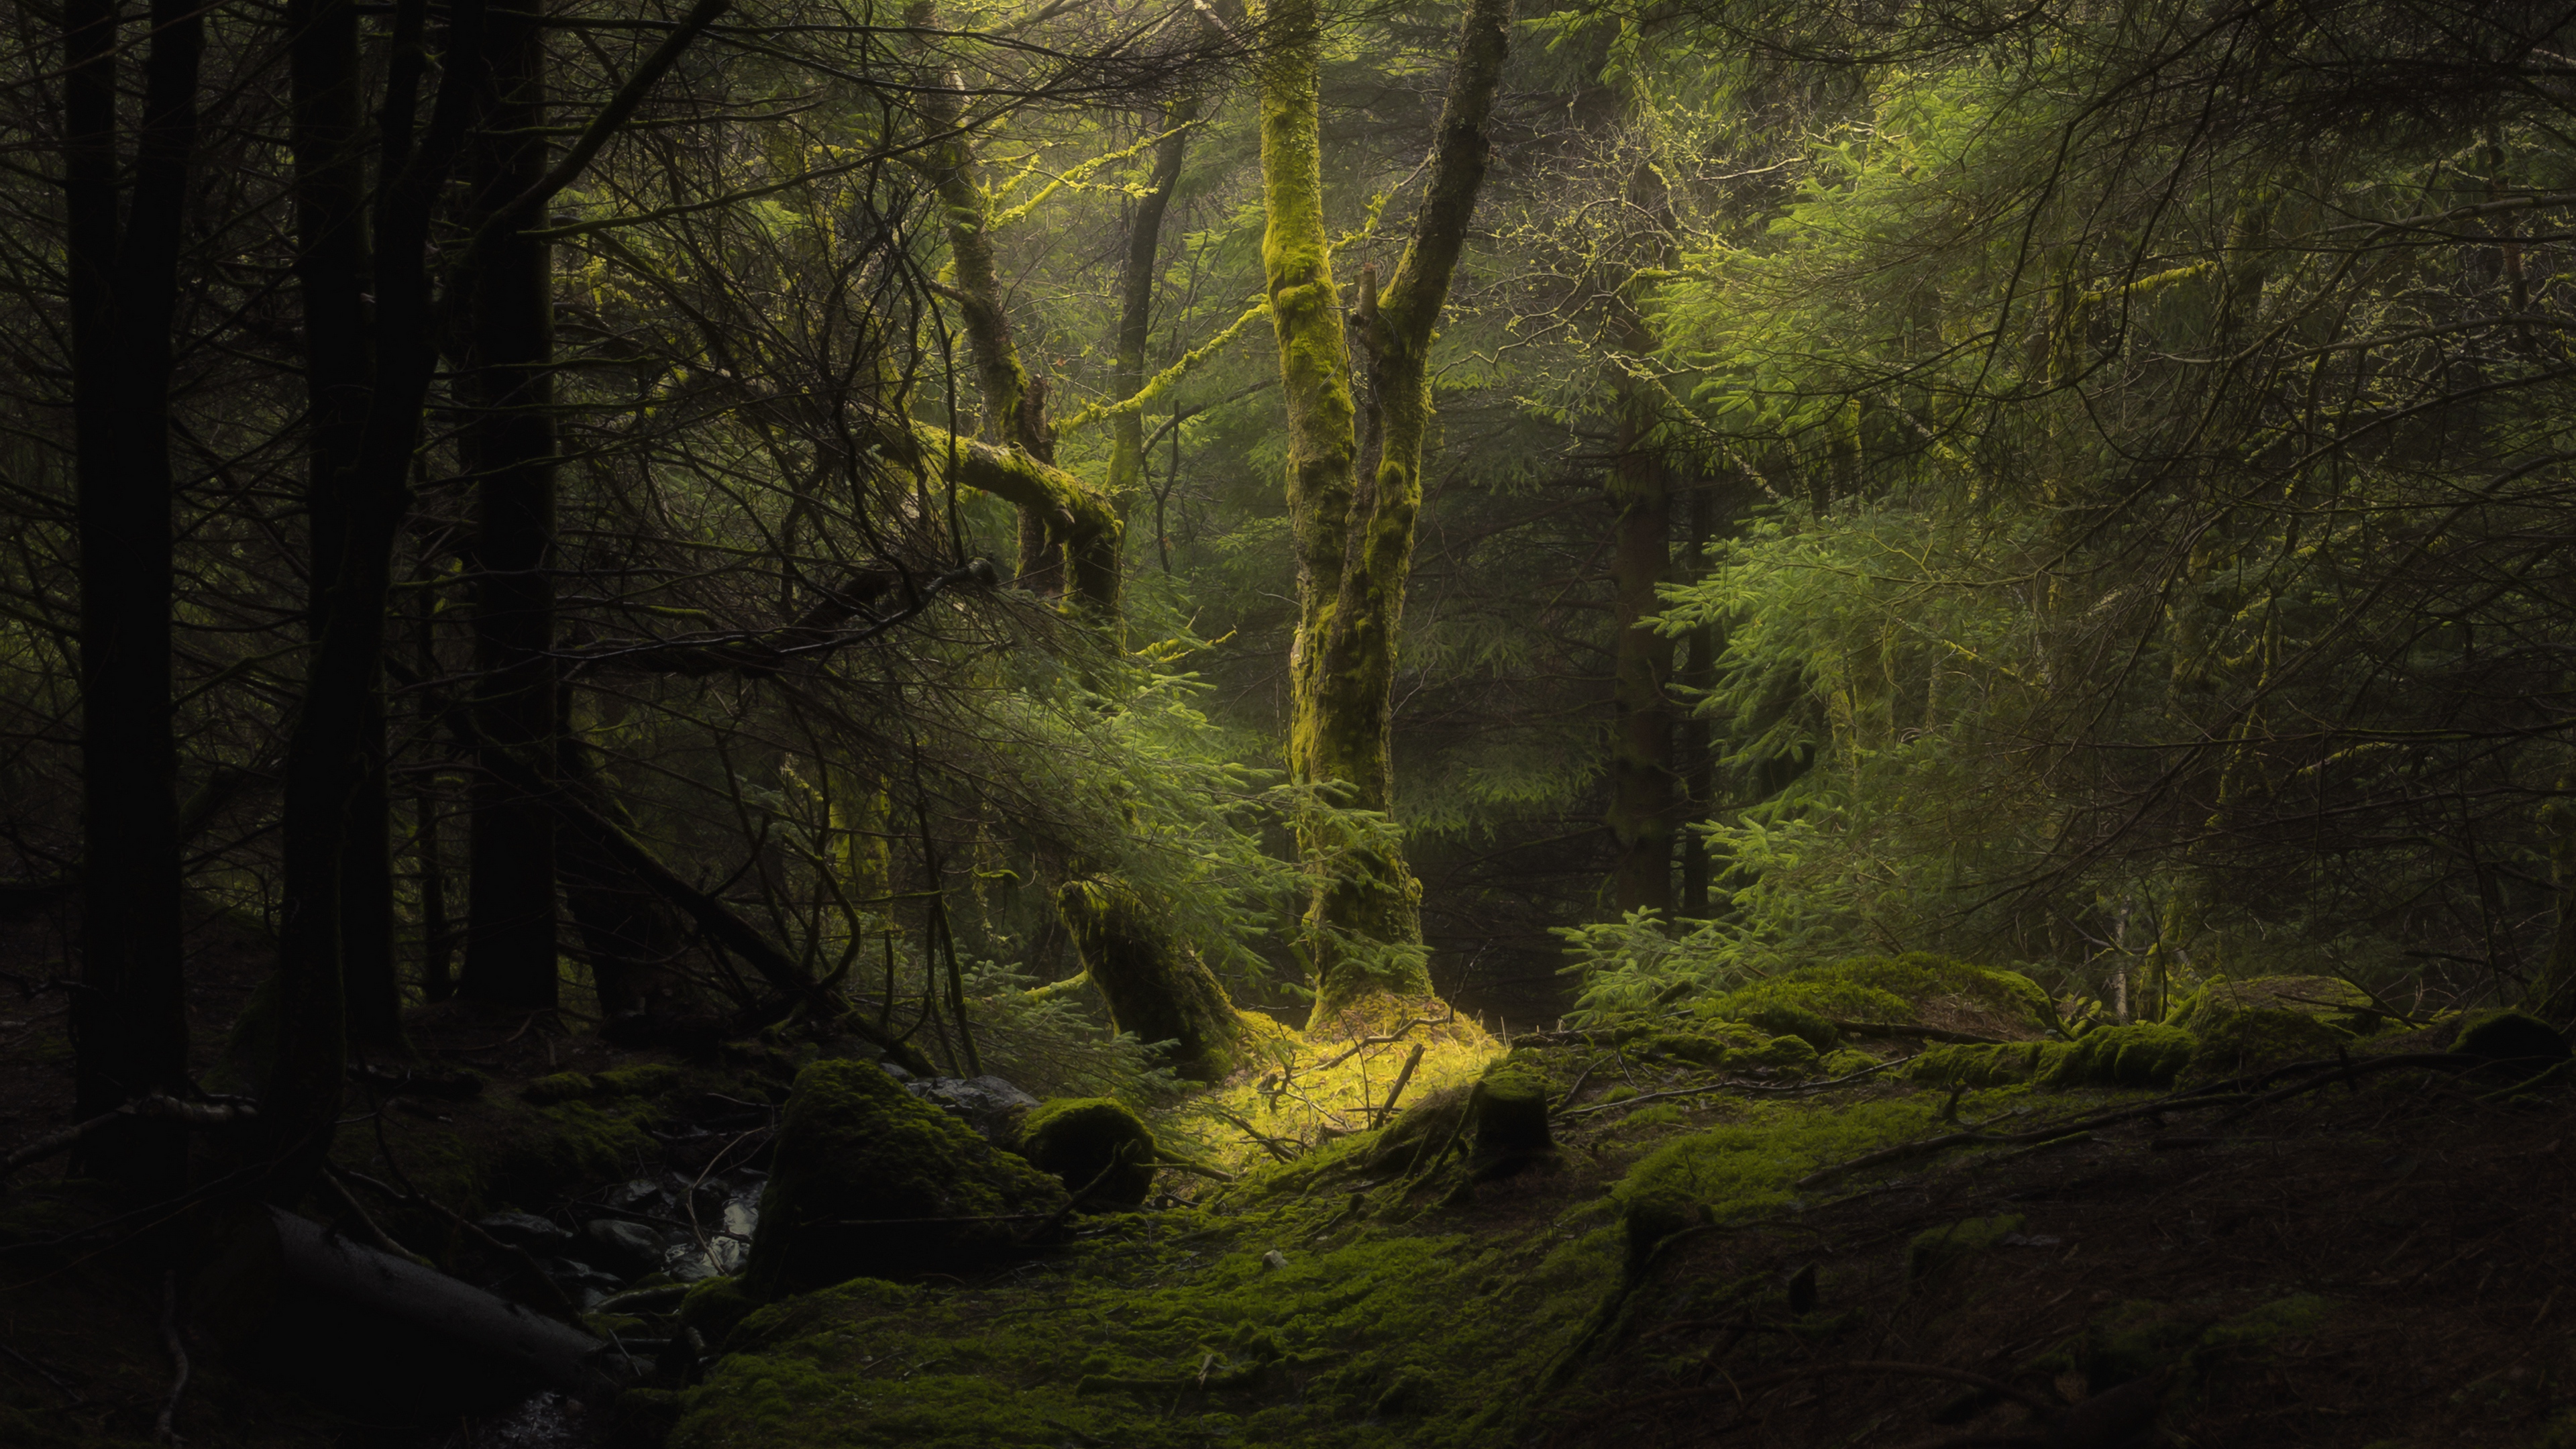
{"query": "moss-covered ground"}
(1732, 1237)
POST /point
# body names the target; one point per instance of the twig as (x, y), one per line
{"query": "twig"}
(1402, 1077)
(558, 1304)
(1275, 1146)
(367, 1225)
(162, 1429)
(1579, 1079)
(1364, 1043)
(74, 1394)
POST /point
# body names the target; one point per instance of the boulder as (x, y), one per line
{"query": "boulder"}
(870, 1181)
(990, 1105)
(1096, 1148)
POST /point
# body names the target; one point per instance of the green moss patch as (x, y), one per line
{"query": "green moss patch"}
(1936, 1250)
(1914, 989)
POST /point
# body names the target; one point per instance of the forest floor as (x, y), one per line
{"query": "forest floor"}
(2376, 1262)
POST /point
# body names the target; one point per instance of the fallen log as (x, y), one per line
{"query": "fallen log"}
(382, 1337)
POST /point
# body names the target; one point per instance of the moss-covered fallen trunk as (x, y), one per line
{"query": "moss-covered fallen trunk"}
(1156, 987)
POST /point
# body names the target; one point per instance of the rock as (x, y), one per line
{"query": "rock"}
(869, 1181)
(1094, 1146)
(631, 1243)
(524, 1230)
(1274, 1259)
(990, 1105)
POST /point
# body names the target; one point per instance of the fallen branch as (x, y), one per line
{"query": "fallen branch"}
(1277, 1147)
(157, 1107)
(1401, 1078)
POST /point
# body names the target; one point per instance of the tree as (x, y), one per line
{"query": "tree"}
(1355, 471)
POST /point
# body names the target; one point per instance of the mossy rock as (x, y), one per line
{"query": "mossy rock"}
(1917, 988)
(1934, 1251)
(713, 1308)
(1096, 1147)
(1730, 1046)
(870, 1181)
(1844, 1062)
(2509, 1036)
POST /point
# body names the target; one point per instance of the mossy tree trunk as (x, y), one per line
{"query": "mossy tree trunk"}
(1136, 301)
(1067, 544)
(1155, 987)
(1697, 763)
(1354, 531)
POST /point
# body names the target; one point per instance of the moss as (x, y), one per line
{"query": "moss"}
(2139, 1338)
(1096, 1147)
(2140, 1054)
(1510, 1109)
(1155, 987)
(1729, 1046)
(2265, 1020)
(1845, 1062)
(2509, 1036)
(1196, 1345)
(714, 1307)
(1894, 989)
(1648, 1218)
(1936, 1250)
(648, 1080)
(1620, 1093)
(1984, 1065)
(871, 1181)
(1750, 1167)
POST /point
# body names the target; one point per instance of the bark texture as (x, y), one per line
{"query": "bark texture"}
(128, 1019)
(1642, 794)
(509, 447)
(1136, 301)
(1154, 986)
(1354, 528)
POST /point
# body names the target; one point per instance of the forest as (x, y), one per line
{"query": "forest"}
(1287, 723)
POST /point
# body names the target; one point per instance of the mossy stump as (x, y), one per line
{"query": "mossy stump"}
(1156, 988)
(1510, 1107)
(1097, 1148)
(871, 1181)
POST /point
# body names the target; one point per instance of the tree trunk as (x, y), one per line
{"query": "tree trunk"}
(129, 1017)
(509, 447)
(1136, 303)
(1155, 988)
(1698, 763)
(327, 752)
(1354, 535)
(1641, 776)
(1059, 551)
(332, 275)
